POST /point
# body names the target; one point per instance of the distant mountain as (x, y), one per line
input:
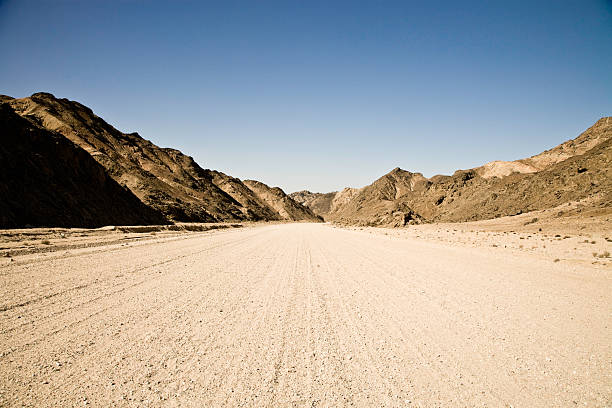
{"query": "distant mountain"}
(275, 198)
(574, 170)
(164, 179)
(323, 204)
(257, 208)
(319, 203)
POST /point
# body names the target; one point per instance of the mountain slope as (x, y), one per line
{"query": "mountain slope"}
(46, 180)
(257, 208)
(319, 203)
(275, 198)
(162, 178)
(600, 132)
(596, 134)
(323, 204)
(402, 197)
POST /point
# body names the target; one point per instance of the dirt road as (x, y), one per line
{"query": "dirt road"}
(302, 315)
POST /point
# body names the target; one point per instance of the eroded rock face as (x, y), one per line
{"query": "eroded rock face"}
(171, 186)
(48, 181)
(164, 179)
(320, 203)
(574, 170)
(275, 198)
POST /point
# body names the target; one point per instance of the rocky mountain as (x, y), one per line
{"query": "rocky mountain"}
(319, 203)
(264, 202)
(275, 198)
(80, 171)
(323, 204)
(600, 132)
(596, 134)
(164, 179)
(46, 180)
(574, 170)
(255, 206)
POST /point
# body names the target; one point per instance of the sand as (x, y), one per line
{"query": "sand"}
(307, 315)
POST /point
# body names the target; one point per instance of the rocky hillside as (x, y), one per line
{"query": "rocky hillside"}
(84, 172)
(275, 198)
(600, 132)
(574, 170)
(256, 207)
(323, 204)
(593, 136)
(319, 203)
(46, 180)
(164, 179)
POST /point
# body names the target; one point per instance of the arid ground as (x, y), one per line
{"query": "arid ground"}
(307, 315)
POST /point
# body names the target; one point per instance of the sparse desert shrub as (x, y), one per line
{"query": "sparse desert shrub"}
(556, 260)
(45, 242)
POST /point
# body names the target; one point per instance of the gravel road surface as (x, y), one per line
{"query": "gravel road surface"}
(303, 315)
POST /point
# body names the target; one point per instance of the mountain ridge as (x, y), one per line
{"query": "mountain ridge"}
(573, 170)
(174, 187)
(48, 181)
(164, 179)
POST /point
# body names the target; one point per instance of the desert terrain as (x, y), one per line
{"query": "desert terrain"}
(64, 166)
(493, 313)
(132, 276)
(387, 204)
(579, 169)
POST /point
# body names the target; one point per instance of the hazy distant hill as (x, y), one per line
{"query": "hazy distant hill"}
(574, 170)
(164, 179)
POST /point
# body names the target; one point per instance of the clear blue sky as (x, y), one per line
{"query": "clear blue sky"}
(320, 95)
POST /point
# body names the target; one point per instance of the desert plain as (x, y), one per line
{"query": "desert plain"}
(509, 312)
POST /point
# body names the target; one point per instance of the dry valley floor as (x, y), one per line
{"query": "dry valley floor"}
(303, 315)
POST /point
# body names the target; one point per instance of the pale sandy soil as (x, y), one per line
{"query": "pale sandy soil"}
(15, 242)
(572, 240)
(307, 315)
